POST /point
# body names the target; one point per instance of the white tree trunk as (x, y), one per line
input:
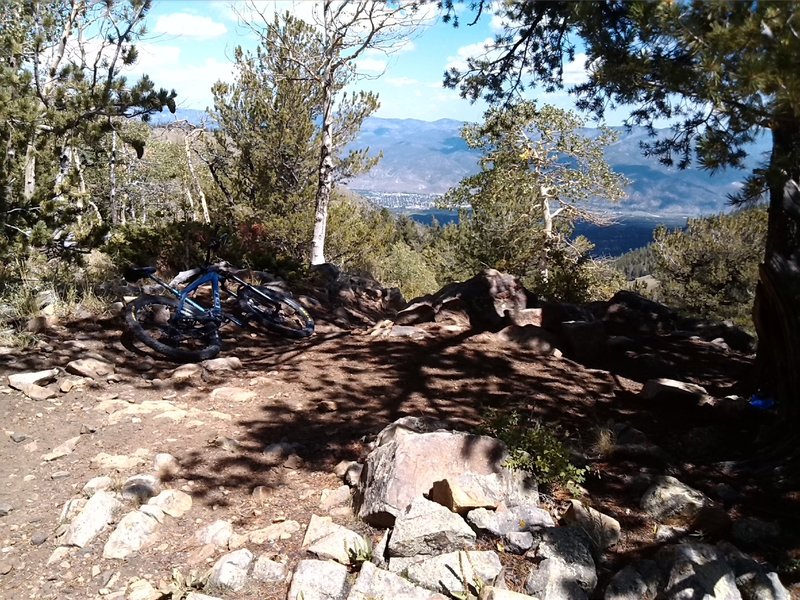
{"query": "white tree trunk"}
(196, 182)
(30, 171)
(325, 185)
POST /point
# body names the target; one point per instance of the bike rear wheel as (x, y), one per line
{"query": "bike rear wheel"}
(275, 311)
(155, 321)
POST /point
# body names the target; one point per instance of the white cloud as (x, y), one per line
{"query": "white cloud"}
(371, 65)
(401, 81)
(187, 25)
(192, 82)
(459, 61)
(576, 71)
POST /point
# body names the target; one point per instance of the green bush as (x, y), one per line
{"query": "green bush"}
(535, 448)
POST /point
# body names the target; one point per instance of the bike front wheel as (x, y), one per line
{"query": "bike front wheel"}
(185, 336)
(275, 311)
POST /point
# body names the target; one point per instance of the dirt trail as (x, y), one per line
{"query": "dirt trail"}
(325, 395)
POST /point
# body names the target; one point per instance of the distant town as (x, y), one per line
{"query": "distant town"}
(400, 201)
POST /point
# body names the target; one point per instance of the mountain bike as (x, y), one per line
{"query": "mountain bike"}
(184, 325)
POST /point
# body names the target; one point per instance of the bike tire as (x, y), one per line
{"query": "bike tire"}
(154, 321)
(277, 312)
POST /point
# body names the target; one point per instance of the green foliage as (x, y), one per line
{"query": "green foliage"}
(711, 268)
(636, 263)
(535, 448)
(517, 214)
(406, 269)
(60, 91)
(359, 552)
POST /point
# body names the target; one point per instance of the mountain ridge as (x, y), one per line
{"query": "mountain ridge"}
(430, 157)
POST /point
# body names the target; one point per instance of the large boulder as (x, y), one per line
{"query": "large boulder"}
(486, 302)
(408, 466)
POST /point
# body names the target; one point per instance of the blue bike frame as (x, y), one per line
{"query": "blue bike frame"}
(215, 312)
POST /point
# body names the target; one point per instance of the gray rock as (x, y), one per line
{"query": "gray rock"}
(197, 596)
(269, 571)
(5, 508)
(39, 538)
(635, 582)
(407, 425)
(228, 363)
(173, 502)
(217, 533)
(318, 580)
(696, 571)
(19, 380)
(516, 518)
(518, 542)
(450, 573)
(98, 513)
(37, 392)
(604, 531)
(229, 573)
(63, 449)
(18, 437)
(186, 372)
(97, 484)
(428, 528)
(408, 466)
(140, 488)
(336, 497)
(672, 502)
(671, 390)
(274, 532)
(134, 531)
(752, 531)
(90, 367)
(467, 491)
(329, 540)
(495, 593)
(567, 570)
(373, 582)
(754, 580)
(380, 554)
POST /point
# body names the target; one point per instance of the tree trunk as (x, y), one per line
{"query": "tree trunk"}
(30, 171)
(112, 177)
(777, 306)
(325, 185)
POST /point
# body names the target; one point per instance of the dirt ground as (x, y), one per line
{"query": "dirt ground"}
(328, 394)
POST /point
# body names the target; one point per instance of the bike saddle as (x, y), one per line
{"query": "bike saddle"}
(136, 273)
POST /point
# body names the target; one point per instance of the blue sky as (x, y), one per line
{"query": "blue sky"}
(191, 42)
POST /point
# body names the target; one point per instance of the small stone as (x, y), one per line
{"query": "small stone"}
(518, 542)
(604, 531)
(333, 498)
(233, 394)
(141, 589)
(318, 580)
(99, 511)
(134, 531)
(327, 406)
(87, 429)
(186, 372)
(229, 363)
(38, 538)
(429, 528)
(97, 484)
(229, 573)
(90, 367)
(217, 533)
(293, 462)
(5, 508)
(59, 475)
(271, 533)
(64, 449)
(37, 392)
(19, 437)
(269, 571)
(5, 567)
(140, 488)
(173, 502)
(17, 380)
(329, 540)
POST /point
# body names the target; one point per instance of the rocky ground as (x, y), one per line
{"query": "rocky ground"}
(256, 442)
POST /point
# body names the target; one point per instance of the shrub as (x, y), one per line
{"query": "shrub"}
(535, 448)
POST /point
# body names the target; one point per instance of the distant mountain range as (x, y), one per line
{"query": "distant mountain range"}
(423, 157)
